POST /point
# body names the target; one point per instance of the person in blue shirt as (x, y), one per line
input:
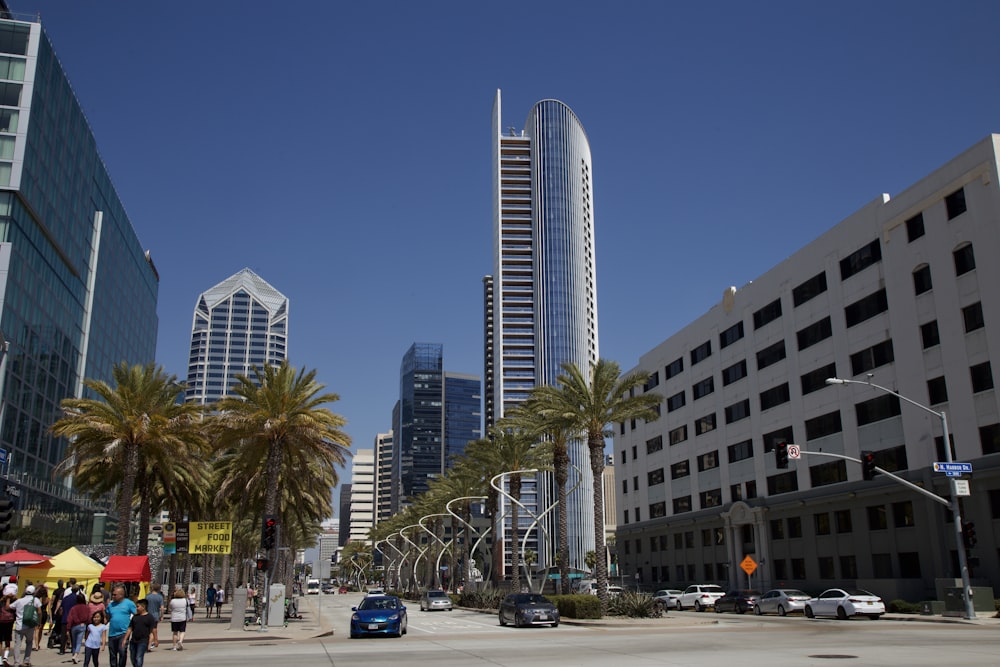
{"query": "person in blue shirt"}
(120, 611)
(209, 600)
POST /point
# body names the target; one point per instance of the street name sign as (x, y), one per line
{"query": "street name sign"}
(941, 466)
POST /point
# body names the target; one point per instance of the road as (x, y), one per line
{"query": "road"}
(464, 638)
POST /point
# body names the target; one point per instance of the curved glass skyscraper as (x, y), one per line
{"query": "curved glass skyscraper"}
(542, 296)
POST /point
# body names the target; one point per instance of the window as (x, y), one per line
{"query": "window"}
(708, 461)
(676, 401)
(730, 335)
(785, 482)
(822, 523)
(711, 498)
(703, 388)
(772, 437)
(751, 489)
(989, 438)
(816, 380)
(682, 505)
(704, 424)
(809, 289)
(638, 547)
(740, 452)
(954, 203)
(14, 39)
(832, 472)
(939, 448)
(860, 259)
(657, 510)
(654, 477)
(768, 313)
(876, 517)
(877, 355)
(735, 492)
(780, 569)
(680, 469)
(635, 487)
(771, 354)
(902, 514)
(737, 371)
(625, 487)
(877, 409)
(882, 566)
(982, 377)
(738, 411)
(915, 227)
(679, 434)
(929, 334)
(635, 452)
(652, 381)
(814, 333)
(892, 459)
(702, 352)
(623, 457)
(849, 567)
(937, 390)
(922, 279)
(842, 519)
(973, 316)
(965, 260)
(825, 564)
(774, 396)
(673, 368)
(866, 308)
(795, 527)
(777, 529)
(626, 541)
(822, 426)
(654, 445)
(909, 565)
(10, 94)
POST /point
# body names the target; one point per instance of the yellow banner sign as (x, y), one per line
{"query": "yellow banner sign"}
(210, 537)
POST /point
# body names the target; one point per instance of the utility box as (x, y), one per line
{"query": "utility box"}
(982, 601)
(239, 600)
(276, 605)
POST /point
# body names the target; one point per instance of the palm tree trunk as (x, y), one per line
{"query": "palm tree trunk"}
(145, 509)
(596, 444)
(515, 546)
(272, 474)
(496, 546)
(125, 498)
(561, 459)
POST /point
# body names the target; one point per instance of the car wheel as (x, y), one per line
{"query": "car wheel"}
(809, 612)
(680, 607)
(841, 614)
(697, 606)
(756, 610)
(874, 617)
(556, 624)
(718, 609)
(503, 621)
(740, 609)
(781, 610)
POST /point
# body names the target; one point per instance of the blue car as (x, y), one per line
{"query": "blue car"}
(379, 615)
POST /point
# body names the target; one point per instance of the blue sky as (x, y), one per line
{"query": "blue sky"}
(341, 150)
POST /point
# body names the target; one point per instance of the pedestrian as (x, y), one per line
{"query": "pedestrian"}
(139, 632)
(56, 631)
(97, 639)
(69, 599)
(209, 600)
(178, 608)
(7, 618)
(220, 597)
(42, 593)
(25, 631)
(154, 604)
(192, 601)
(77, 620)
(119, 613)
(96, 602)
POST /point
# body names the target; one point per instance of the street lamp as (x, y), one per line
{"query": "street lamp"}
(956, 513)
(444, 545)
(512, 499)
(469, 526)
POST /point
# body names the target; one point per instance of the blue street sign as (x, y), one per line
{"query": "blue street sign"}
(3, 456)
(940, 466)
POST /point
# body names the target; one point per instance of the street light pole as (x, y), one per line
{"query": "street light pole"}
(956, 512)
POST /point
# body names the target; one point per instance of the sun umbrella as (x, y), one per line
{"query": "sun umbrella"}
(21, 557)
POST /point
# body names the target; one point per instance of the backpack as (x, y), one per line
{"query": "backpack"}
(29, 617)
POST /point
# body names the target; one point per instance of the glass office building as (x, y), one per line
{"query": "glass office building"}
(240, 323)
(541, 299)
(77, 292)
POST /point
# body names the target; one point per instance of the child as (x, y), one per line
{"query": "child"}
(139, 631)
(97, 638)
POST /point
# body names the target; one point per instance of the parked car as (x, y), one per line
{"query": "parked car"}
(528, 609)
(740, 601)
(434, 601)
(379, 615)
(614, 591)
(844, 603)
(327, 589)
(781, 601)
(374, 591)
(699, 596)
(668, 597)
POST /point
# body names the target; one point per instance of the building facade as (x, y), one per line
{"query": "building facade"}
(362, 495)
(240, 323)
(438, 413)
(903, 294)
(541, 298)
(77, 291)
(344, 521)
(383, 479)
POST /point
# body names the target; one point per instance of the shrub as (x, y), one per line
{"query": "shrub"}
(577, 606)
(635, 605)
(484, 598)
(903, 607)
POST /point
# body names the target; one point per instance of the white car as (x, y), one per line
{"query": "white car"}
(668, 596)
(374, 591)
(699, 596)
(844, 603)
(781, 601)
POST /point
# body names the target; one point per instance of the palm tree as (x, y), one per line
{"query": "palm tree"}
(275, 429)
(137, 418)
(592, 404)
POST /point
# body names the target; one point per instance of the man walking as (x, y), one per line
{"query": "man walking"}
(209, 600)
(139, 630)
(120, 611)
(154, 604)
(24, 626)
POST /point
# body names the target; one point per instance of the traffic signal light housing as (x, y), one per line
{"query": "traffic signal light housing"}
(969, 538)
(781, 453)
(269, 532)
(868, 471)
(262, 564)
(6, 514)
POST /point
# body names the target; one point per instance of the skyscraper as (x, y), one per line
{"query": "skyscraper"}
(542, 296)
(77, 292)
(437, 415)
(240, 323)
(362, 495)
(383, 476)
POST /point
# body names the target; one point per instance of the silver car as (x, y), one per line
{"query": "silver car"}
(781, 601)
(435, 601)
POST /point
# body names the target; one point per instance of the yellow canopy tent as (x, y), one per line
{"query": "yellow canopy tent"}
(70, 564)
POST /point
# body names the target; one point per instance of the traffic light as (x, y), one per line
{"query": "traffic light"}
(781, 453)
(6, 514)
(269, 532)
(262, 564)
(868, 471)
(969, 538)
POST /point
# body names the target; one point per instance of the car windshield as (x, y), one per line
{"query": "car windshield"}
(528, 598)
(374, 603)
(435, 594)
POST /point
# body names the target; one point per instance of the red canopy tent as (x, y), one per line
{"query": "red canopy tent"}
(127, 568)
(21, 557)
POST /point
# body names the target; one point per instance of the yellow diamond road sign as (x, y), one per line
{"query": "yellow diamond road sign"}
(748, 565)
